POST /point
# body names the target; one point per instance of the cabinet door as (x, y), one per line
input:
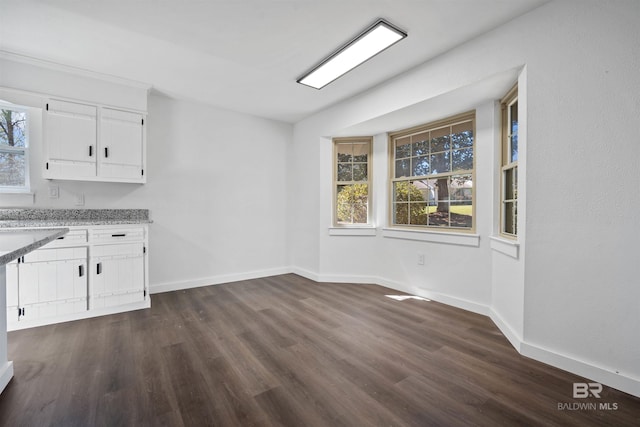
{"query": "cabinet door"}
(121, 145)
(52, 287)
(117, 275)
(71, 137)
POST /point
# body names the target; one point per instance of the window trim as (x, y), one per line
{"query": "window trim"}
(505, 148)
(449, 121)
(26, 188)
(334, 205)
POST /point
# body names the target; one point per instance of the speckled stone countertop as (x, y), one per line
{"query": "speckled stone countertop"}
(21, 218)
(16, 243)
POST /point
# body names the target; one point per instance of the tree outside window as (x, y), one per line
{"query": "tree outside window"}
(432, 174)
(14, 145)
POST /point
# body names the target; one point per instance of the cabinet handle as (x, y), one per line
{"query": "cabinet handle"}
(80, 270)
(61, 238)
(99, 268)
(106, 151)
(118, 235)
(91, 151)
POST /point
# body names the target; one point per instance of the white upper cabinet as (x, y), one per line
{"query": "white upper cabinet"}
(121, 136)
(71, 140)
(93, 143)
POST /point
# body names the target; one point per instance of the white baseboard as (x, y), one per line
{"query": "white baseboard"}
(6, 373)
(425, 293)
(216, 280)
(603, 376)
(305, 273)
(506, 329)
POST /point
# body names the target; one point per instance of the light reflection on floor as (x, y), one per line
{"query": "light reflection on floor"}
(406, 297)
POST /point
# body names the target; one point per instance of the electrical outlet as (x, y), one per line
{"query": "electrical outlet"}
(54, 192)
(79, 199)
(420, 259)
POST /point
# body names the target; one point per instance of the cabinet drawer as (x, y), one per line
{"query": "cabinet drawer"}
(117, 251)
(72, 238)
(117, 235)
(62, 254)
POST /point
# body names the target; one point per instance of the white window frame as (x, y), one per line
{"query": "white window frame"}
(26, 188)
(449, 121)
(508, 166)
(368, 140)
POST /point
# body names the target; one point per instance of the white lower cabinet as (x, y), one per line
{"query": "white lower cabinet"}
(90, 271)
(117, 275)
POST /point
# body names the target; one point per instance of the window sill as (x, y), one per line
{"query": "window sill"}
(352, 231)
(508, 247)
(460, 239)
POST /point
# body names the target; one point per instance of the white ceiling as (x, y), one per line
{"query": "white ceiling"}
(243, 55)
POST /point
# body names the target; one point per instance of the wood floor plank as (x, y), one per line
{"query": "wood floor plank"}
(285, 350)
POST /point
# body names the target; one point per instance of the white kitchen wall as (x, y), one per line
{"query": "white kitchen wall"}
(217, 193)
(571, 298)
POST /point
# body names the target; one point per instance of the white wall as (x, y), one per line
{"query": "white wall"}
(571, 298)
(217, 192)
(582, 298)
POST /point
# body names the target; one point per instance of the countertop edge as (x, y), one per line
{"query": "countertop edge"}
(55, 233)
(41, 224)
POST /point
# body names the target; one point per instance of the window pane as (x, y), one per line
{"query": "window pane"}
(462, 159)
(360, 172)
(12, 169)
(402, 168)
(401, 213)
(360, 152)
(418, 213)
(352, 204)
(510, 184)
(345, 172)
(420, 145)
(462, 135)
(419, 191)
(513, 111)
(440, 139)
(461, 201)
(420, 166)
(12, 128)
(439, 213)
(403, 147)
(461, 214)
(510, 217)
(440, 163)
(461, 188)
(345, 152)
(400, 193)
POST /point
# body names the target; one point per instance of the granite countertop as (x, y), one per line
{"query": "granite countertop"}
(16, 243)
(38, 218)
(35, 223)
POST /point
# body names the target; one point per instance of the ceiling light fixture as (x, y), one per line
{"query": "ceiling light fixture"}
(368, 44)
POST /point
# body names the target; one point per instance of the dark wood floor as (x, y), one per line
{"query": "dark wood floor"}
(289, 351)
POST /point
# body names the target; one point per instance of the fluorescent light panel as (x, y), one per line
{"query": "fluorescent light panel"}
(371, 42)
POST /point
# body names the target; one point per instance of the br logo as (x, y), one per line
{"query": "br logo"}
(584, 390)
